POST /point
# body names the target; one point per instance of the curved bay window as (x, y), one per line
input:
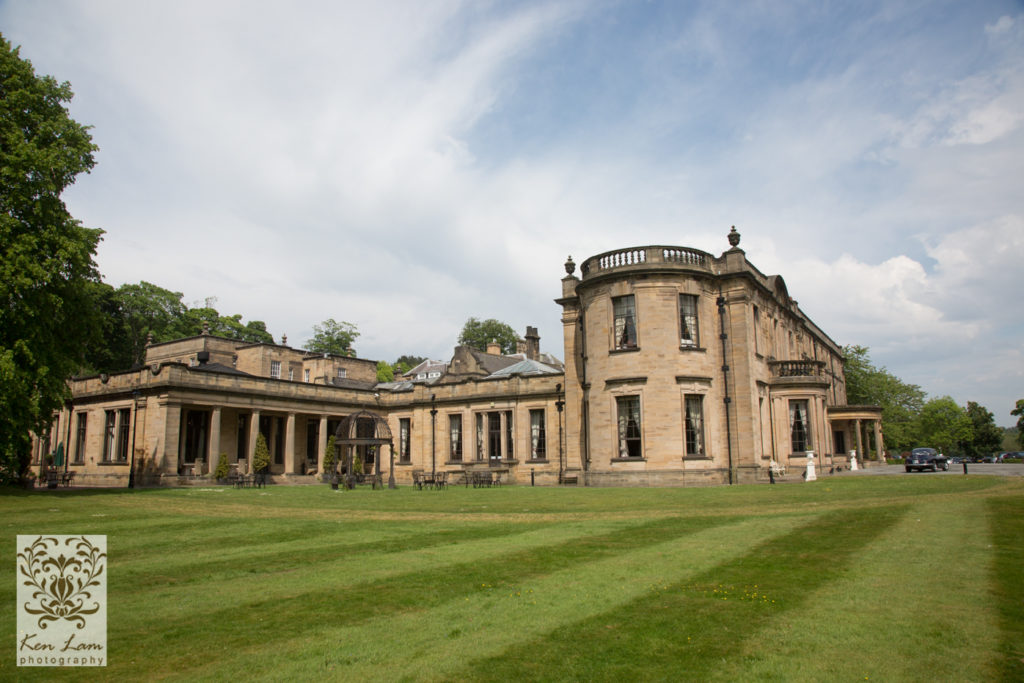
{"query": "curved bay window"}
(630, 439)
(799, 427)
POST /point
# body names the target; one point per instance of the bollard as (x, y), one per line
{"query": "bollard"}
(965, 464)
(531, 477)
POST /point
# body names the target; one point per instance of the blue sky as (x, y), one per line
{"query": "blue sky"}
(406, 165)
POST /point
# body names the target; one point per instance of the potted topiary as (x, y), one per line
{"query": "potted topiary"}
(223, 468)
(261, 459)
(330, 474)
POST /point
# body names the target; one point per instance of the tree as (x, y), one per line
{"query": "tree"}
(943, 424)
(409, 361)
(149, 310)
(987, 437)
(331, 336)
(479, 334)
(46, 256)
(385, 373)
(900, 402)
(1019, 412)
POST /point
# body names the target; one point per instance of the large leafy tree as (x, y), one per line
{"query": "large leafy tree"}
(986, 436)
(943, 424)
(1019, 412)
(149, 310)
(331, 336)
(901, 402)
(46, 256)
(479, 333)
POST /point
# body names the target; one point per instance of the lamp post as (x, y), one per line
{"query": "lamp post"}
(559, 406)
(135, 421)
(433, 435)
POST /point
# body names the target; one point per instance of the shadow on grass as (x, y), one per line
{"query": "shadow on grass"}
(688, 631)
(1006, 524)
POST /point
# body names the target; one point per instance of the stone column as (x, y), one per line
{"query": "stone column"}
(860, 439)
(321, 446)
(291, 466)
(879, 441)
(168, 463)
(213, 448)
(254, 431)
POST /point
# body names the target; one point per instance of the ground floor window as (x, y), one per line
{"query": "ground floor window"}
(124, 422)
(109, 435)
(455, 438)
(630, 439)
(799, 428)
(694, 425)
(404, 450)
(79, 455)
(538, 438)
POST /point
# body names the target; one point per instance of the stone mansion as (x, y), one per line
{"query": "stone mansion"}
(681, 369)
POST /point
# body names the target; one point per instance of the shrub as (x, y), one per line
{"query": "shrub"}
(261, 458)
(222, 467)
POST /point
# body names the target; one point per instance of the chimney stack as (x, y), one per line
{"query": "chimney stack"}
(493, 348)
(532, 343)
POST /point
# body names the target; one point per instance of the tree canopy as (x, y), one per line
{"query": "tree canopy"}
(335, 337)
(986, 437)
(478, 334)
(901, 402)
(46, 256)
(1019, 412)
(943, 424)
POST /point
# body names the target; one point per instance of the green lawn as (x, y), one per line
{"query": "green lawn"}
(853, 578)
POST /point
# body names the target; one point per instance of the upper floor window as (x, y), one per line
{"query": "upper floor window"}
(799, 427)
(688, 331)
(624, 311)
(291, 374)
(342, 373)
(305, 375)
(630, 438)
(275, 369)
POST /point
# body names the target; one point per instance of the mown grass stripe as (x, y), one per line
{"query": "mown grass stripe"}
(686, 630)
(914, 592)
(244, 627)
(433, 644)
(1006, 528)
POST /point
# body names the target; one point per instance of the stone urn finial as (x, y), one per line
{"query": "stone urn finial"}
(206, 328)
(570, 266)
(734, 237)
(284, 340)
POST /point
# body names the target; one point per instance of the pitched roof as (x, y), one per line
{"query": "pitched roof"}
(526, 367)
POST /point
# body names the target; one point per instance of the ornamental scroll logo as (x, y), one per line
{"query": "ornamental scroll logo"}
(62, 592)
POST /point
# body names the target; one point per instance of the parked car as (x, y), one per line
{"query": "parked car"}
(926, 459)
(990, 458)
(1010, 455)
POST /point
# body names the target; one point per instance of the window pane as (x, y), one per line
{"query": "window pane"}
(625, 322)
(538, 439)
(629, 426)
(694, 425)
(798, 426)
(688, 320)
(455, 437)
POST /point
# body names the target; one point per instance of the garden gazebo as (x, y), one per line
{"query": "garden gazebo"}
(365, 429)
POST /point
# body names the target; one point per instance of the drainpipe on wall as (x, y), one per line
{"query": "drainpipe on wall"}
(725, 378)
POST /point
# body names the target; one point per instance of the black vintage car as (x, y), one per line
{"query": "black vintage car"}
(926, 459)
